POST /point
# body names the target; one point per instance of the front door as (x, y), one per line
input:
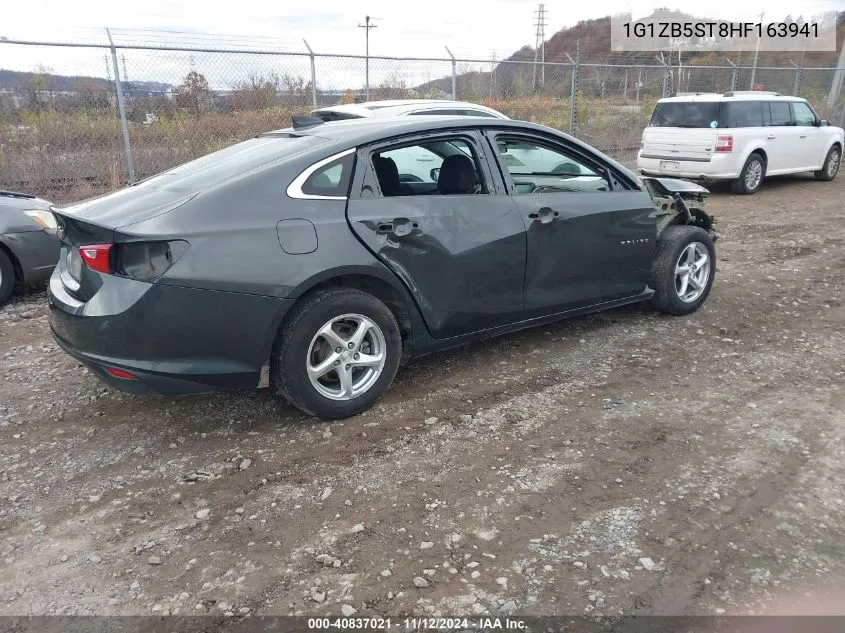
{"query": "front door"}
(430, 209)
(812, 138)
(590, 239)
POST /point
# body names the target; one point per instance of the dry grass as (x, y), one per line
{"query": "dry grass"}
(66, 156)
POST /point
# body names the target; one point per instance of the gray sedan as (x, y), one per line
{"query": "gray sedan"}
(29, 248)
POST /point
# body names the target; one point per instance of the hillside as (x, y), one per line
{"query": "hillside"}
(594, 36)
(14, 80)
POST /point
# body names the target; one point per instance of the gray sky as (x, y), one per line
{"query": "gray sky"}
(476, 29)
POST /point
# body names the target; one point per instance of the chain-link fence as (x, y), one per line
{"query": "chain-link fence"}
(93, 117)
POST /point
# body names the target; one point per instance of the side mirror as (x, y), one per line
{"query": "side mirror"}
(435, 173)
(824, 123)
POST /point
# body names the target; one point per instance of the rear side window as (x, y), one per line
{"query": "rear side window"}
(779, 113)
(450, 112)
(332, 179)
(744, 114)
(693, 114)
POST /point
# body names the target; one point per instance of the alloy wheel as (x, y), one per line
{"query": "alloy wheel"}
(346, 357)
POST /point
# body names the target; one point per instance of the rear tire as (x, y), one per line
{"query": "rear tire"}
(7, 277)
(320, 336)
(831, 165)
(751, 176)
(683, 270)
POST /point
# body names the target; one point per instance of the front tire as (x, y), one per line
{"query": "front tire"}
(338, 353)
(751, 176)
(831, 164)
(683, 270)
(7, 277)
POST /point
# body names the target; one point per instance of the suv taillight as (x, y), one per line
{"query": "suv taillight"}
(724, 143)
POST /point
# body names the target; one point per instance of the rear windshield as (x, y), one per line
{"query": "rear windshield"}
(232, 161)
(697, 114)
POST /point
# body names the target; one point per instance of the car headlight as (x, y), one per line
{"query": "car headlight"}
(44, 218)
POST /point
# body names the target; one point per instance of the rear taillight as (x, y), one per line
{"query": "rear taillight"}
(724, 143)
(144, 261)
(98, 257)
(147, 261)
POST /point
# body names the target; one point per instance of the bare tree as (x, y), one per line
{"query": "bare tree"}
(193, 93)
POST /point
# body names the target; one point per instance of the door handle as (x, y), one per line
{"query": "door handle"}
(398, 226)
(544, 215)
(771, 137)
(803, 136)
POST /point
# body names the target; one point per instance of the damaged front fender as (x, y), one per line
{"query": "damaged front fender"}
(679, 202)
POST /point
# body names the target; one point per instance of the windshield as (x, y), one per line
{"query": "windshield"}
(694, 114)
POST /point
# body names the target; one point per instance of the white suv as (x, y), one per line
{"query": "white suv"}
(738, 136)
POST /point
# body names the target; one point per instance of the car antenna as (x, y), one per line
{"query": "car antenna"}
(303, 120)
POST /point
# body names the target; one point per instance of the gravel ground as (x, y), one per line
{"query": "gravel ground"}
(623, 462)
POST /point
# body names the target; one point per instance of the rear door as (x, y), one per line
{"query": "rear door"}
(461, 255)
(590, 237)
(781, 138)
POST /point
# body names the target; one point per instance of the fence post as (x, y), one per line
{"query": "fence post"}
(313, 76)
(842, 116)
(798, 70)
(666, 69)
(454, 74)
(573, 89)
(124, 126)
(734, 74)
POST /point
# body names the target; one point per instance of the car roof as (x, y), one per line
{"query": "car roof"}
(346, 133)
(368, 130)
(753, 95)
(392, 107)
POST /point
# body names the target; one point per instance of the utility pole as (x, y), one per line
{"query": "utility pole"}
(756, 52)
(367, 26)
(540, 45)
(492, 72)
(838, 77)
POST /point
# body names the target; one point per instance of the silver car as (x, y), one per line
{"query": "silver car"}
(405, 107)
(29, 248)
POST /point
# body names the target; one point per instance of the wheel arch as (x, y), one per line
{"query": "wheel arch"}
(761, 152)
(16, 264)
(367, 279)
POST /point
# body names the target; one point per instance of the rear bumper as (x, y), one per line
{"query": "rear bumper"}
(715, 167)
(173, 340)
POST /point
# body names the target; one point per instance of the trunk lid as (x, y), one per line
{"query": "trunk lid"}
(679, 143)
(122, 208)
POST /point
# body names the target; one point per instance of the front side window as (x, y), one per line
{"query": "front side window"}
(803, 114)
(442, 167)
(536, 168)
(744, 114)
(780, 113)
